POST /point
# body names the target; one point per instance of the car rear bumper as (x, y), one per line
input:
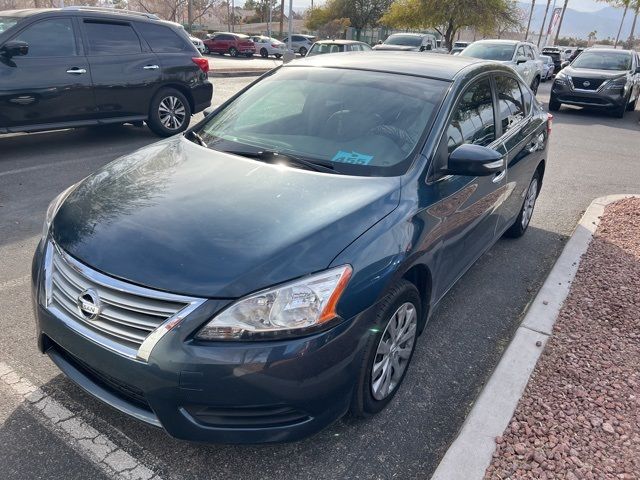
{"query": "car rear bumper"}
(202, 94)
(223, 392)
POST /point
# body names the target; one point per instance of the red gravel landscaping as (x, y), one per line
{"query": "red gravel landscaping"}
(579, 417)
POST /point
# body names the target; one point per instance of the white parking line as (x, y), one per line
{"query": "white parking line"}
(95, 446)
(38, 167)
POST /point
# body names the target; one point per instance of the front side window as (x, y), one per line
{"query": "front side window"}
(359, 122)
(473, 120)
(161, 39)
(603, 60)
(7, 22)
(502, 52)
(111, 38)
(50, 38)
(529, 53)
(510, 104)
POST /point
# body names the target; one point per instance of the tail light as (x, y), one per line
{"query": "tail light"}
(202, 63)
(549, 123)
(274, 45)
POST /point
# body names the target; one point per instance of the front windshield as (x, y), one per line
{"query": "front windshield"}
(358, 122)
(603, 60)
(320, 48)
(404, 40)
(501, 52)
(7, 22)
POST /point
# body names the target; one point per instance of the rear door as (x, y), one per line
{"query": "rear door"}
(125, 73)
(52, 83)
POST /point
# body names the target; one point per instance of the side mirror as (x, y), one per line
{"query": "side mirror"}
(14, 49)
(520, 59)
(379, 42)
(475, 161)
(564, 65)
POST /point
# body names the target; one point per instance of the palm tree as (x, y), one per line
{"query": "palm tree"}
(564, 8)
(625, 4)
(636, 9)
(591, 37)
(526, 34)
(545, 19)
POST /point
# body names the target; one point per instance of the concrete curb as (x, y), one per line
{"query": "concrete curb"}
(470, 454)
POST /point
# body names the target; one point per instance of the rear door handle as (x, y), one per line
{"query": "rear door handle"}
(76, 71)
(151, 67)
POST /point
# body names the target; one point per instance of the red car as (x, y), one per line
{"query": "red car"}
(232, 43)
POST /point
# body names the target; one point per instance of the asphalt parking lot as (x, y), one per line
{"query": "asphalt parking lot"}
(592, 154)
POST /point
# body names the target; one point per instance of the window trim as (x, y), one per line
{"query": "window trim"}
(526, 118)
(146, 46)
(79, 47)
(85, 36)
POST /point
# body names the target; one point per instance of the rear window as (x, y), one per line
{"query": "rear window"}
(7, 22)
(111, 38)
(501, 52)
(161, 39)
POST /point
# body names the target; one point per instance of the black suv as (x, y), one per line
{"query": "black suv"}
(73, 67)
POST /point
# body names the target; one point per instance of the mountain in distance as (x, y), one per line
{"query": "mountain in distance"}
(578, 24)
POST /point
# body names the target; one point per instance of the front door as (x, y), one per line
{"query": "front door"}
(126, 74)
(467, 208)
(49, 85)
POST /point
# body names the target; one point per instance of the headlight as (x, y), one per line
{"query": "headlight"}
(562, 78)
(53, 208)
(294, 307)
(616, 83)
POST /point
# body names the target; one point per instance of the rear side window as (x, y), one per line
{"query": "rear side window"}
(161, 39)
(111, 38)
(223, 37)
(50, 38)
(473, 120)
(510, 103)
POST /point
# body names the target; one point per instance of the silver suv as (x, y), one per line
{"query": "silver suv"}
(523, 57)
(300, 43)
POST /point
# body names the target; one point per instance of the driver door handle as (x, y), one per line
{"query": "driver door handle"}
(499, 176)
(151, 67)
(76, 71)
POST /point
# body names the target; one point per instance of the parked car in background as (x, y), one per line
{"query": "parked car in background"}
(370, 183)
(605, 78)
(199, 44)
(408, 42)
(266, 46)
(523, 57)
(548, 67)
(575, 54)
(337, 46)
(234, 44)
(300, 43)
(77, 67)
(567, 52)
(461, 44)
(557, 54)
(456, 50)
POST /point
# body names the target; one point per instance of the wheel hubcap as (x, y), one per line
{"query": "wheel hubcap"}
(529, 203)
(394, 351)
(172, 112)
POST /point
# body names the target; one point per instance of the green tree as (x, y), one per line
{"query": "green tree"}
(361, 13)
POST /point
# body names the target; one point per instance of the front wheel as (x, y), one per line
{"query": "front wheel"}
(169, 113)
(264, 53)
(554, 105)
(233, 52)
(631, 106)
(206, 50)
(535, 84)
(388, 350)
(526, 212)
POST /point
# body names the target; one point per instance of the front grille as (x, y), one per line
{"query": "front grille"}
(127, 314)
(593, 83)
(242, 417)
(119, 388)
(585, 100)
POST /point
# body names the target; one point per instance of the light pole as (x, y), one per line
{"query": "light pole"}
(290, 23)
(269, 20)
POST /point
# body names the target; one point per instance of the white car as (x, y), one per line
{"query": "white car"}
(523, 57)
(266, 46)
(300, 43)
(197, 43)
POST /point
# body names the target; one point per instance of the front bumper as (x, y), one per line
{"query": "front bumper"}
(202, 94)
(224, 392)
(601, 98)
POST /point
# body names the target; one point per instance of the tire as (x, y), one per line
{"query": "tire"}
(302, 51)
(619, 112)
(554, 105)
(526, 211)
(534, 85)
(372, 392)
(277, 55)
(169, 113)
(206, 50)
(248, 55)
(233, 52)
(631, 106)
(264, 53)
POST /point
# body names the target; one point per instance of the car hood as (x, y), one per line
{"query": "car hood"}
(592, 73)
(178, 217)
(400, 48)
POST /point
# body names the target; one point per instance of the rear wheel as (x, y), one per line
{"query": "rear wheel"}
(389, 350)
(233, 52)
(169, 113)
(277, 55)
(264, 53)
(302, 51)
(526, 212)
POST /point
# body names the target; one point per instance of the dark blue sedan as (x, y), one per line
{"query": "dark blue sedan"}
(268, 271)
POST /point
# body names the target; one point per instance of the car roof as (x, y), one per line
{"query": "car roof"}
(110, 13)
(499, 40)
(433, 65)
(413, 34)
(607, 50)
(340, 42)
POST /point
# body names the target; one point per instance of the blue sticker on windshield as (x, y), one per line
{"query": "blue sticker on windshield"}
(352, 157)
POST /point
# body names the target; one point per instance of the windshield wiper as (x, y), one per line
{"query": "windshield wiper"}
(272, 157)
(195, 138)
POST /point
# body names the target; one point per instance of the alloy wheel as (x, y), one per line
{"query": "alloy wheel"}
(394, 351)
(171, 112)
(529, 203)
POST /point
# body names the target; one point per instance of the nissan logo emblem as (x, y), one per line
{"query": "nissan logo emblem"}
(89, 304)
(586, 84)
